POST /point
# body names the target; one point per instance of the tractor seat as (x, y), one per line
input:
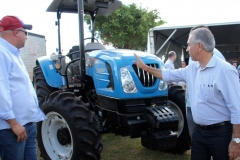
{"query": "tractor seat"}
(74, 51)
(93, 46)
(74, 55)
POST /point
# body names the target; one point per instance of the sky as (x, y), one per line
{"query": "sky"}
(174, 12)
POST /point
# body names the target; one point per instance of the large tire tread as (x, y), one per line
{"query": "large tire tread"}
(82, 122)
(40, 84)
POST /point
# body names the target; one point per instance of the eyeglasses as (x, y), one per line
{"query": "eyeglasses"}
(26, 33)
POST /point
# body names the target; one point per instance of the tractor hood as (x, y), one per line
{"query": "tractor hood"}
(113, 69)
(127, 56)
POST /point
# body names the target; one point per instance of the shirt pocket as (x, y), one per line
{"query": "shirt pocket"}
(207, 92)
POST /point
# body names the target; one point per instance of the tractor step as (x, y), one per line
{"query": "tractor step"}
(159, 140)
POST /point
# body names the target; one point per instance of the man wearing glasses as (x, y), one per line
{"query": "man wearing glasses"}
(19, 110)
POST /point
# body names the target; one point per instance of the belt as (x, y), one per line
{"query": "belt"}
(213, 126)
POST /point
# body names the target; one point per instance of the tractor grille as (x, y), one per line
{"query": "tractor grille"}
(146, 79)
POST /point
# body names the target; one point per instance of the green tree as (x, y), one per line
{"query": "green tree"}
(127, 27)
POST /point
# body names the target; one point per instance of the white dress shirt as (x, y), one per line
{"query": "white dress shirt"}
(216, 53)
(169, 64)
(214, 91)
(17, 96)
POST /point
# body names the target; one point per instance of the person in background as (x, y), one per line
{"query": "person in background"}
(169, 64)
(19, 110)
(214, 98)
(234, 64)
(183, 83)
(183, 64)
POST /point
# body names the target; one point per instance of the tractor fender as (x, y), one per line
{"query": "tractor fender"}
(53, 78)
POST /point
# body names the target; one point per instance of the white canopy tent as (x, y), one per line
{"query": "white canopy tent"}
(164, 38)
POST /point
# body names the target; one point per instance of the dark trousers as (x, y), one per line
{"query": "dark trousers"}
(211, 142)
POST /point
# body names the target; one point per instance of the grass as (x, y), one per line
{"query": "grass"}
(124, 148)
(119, 148)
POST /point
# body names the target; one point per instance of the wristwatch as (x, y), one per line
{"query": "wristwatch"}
(237, 140)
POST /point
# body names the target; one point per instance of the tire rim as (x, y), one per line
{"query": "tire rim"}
(50, 132)
(173, 107)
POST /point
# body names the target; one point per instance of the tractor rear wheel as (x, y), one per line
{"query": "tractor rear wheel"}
(41, 87)
(176, 103)
(71, 130)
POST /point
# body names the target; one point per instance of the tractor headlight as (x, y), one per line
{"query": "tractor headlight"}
(127, 81)
(162, 85)
(88, 62)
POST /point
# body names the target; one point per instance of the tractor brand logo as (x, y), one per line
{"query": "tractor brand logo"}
(100, 70)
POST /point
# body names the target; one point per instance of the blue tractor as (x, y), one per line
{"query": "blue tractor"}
(101, 91)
